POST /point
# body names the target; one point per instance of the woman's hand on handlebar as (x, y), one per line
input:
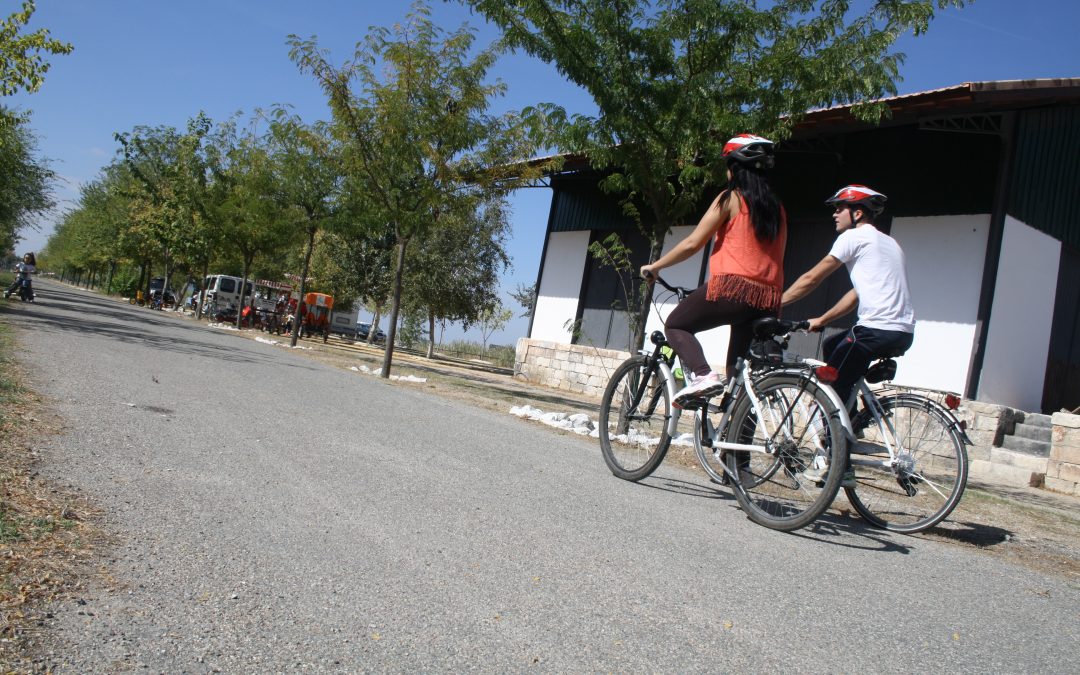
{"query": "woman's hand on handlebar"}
(649, 272)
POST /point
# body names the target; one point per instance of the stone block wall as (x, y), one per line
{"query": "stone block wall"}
(577, 368)
(1063, 468)
(987, 425)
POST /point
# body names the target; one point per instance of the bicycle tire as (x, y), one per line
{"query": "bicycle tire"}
(772, 489)
(931, 469)
(628, 433)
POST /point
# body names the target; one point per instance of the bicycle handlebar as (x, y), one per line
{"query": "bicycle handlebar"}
(677, 290)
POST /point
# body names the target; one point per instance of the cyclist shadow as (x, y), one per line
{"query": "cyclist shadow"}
(838, 529)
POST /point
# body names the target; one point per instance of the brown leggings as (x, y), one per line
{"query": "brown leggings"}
(696, 314)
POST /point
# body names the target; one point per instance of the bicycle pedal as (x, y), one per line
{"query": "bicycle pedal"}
(690, 404)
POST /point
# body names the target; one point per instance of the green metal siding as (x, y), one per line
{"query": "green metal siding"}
(1045, 189)
(579, 204)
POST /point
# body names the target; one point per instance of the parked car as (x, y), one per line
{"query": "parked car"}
(363, 328)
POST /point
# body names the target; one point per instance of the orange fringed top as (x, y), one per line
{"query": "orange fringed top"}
(743, 269)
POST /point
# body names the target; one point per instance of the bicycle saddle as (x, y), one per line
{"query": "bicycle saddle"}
(770, 326)
(883, 370)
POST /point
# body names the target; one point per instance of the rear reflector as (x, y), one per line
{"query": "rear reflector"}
(826, 374)
(952, 401)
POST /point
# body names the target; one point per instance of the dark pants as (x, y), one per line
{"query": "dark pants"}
(696, 314)
(853, 351)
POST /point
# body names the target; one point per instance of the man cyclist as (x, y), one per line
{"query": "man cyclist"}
(875, 262)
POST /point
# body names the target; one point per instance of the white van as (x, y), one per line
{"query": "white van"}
(223, 290)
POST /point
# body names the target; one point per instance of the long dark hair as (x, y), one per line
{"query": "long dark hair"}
(764, 205)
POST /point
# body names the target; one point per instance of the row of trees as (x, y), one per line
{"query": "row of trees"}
(398, 201)
(399, 196)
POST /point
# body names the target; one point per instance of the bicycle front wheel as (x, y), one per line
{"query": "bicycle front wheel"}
(634, 414)
(790, 486)
(925, 479)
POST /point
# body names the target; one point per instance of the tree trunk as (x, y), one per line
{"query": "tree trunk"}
(243, 291)
(374, 324)
(395, 307)
(637, 339)
(431, 335)
(200, 290)
(108, 283)
(312, 229)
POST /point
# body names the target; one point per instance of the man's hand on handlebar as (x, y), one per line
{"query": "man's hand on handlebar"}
(816, 325)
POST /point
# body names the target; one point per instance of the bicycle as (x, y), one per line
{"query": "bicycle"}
(777, 419)
(909, 455)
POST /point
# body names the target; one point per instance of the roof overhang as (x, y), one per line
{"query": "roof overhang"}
(964, 99)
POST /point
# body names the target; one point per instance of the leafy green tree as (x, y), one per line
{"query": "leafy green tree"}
(417, 135)
(454, 271)
(492, 319)
(170, 173)
(254, 222)
(89, 236)
(22, 61)
(526, 297)
(25, 182)
(673, 79)
(307, 183)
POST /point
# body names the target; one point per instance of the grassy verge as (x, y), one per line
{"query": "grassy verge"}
(47, 533)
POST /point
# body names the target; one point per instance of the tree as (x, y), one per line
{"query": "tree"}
(454, 270)
(417, 135)
(673, 80)
(252, 220)
(526, 297)
(22, 64)
(306, 182)
(25, 182)
(492, 319)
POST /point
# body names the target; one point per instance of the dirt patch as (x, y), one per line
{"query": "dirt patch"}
(49, 534)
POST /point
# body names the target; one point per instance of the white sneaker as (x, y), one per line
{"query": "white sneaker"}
(700, 387)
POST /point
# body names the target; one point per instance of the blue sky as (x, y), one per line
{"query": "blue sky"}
(159, 62)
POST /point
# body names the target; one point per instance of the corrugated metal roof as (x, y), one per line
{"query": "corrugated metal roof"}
(983, 96)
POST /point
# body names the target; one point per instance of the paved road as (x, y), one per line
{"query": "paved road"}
(275, 514)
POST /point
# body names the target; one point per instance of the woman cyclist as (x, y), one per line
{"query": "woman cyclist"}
(748, 227)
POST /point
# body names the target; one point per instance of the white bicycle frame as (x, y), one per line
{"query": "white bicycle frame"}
(768, 416)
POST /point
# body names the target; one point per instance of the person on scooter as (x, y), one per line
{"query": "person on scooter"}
(23, 270)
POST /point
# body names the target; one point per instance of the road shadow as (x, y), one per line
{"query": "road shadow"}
(84, 313)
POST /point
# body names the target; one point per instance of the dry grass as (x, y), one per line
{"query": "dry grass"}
(48, 534)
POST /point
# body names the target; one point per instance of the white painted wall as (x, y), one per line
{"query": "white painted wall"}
(945, 256)
(686, 274)
(560, 284)
(1018, 339)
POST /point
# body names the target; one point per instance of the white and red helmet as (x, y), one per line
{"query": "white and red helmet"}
(859, 195)
(750, 149)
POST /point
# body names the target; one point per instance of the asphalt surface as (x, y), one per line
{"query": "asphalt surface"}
(276, 514)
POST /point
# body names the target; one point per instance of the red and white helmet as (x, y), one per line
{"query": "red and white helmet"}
(859, 195)
(750, 149)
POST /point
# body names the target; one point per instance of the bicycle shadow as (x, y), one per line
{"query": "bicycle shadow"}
(687, 488)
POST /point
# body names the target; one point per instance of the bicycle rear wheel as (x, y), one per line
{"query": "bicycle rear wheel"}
(634, 414)
(924, 483)
(800, 423)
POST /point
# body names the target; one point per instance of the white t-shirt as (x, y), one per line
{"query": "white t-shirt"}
(876, 265)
